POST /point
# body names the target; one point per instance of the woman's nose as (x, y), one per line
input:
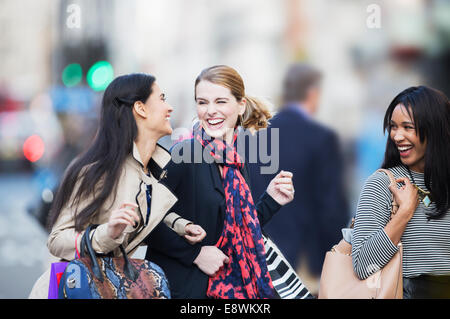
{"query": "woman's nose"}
(398, 136)
(211, 110)
(169, 107)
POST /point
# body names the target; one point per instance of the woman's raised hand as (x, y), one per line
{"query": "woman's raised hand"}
(194, 233)
(281, 188)
(407, 197)
(121, 218)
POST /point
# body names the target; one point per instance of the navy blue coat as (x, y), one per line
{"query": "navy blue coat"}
(309, 225)
(201, 199)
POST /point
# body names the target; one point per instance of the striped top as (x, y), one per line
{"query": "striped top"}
(426, 243)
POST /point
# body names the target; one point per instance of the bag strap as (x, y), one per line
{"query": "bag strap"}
(393, 201)
(86, 245)
(393, 183)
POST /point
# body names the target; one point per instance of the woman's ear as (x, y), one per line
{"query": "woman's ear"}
(140, 109)
(242, 105)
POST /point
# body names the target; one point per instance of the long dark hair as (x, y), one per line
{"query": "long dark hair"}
(430, 110)
(103, 160)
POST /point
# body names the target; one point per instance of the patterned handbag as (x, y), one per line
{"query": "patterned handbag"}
(103, 277)
(285, 280)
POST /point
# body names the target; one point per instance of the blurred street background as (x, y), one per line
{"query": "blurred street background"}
(57, 57)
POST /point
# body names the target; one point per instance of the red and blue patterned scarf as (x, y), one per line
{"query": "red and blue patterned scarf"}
(246, 275)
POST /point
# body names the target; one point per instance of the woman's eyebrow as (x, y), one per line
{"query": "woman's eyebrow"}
(403, 123)
(218, 98)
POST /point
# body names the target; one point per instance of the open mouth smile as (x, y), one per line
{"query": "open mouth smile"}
(404, 150)
(215, 123)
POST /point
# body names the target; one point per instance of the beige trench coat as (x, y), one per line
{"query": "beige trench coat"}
(131, 187)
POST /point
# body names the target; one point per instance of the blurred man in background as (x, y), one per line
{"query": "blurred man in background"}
(310, 225)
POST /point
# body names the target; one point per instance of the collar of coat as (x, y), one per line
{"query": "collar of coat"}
(160, 158)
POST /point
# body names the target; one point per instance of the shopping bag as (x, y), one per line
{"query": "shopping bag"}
(56, 271)
(284, 278)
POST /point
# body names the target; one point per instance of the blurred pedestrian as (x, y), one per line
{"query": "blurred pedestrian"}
(214, 193)
(418, 155)
(306, 228)
(117, 180)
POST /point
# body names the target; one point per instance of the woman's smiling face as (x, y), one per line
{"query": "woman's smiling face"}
(403, 134)
(217, 109)
(158, 112)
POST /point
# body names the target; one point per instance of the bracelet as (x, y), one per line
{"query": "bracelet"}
(76, 246)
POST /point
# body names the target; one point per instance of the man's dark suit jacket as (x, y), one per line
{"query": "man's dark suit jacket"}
(201, 199)
(309, 225)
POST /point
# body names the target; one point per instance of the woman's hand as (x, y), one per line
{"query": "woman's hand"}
(194, 233)
(210, 260)
(281, 188)
(121, 218)
(407, 198)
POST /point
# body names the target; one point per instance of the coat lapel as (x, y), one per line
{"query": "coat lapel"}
(162, 198)
(214, 171)
(217, 180)
(162, 201)
(141, 199)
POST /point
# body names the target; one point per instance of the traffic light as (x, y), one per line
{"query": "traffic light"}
(100, 75)
(84, 63)
(72, 75)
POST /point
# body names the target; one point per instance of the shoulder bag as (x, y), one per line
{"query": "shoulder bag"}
(339, 281)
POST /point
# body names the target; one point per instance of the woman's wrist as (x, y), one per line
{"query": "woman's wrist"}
(102, 241)
(396, 226)
(404, 214)
(196, 259)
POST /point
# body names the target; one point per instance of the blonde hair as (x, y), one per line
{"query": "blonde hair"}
(256, 114)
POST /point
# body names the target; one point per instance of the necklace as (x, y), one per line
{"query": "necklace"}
(424, 196)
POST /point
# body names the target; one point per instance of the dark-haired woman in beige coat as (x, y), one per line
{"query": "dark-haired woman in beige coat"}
(118, 183)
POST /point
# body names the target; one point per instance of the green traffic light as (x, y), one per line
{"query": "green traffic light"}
(72, 75)
(100, 75)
